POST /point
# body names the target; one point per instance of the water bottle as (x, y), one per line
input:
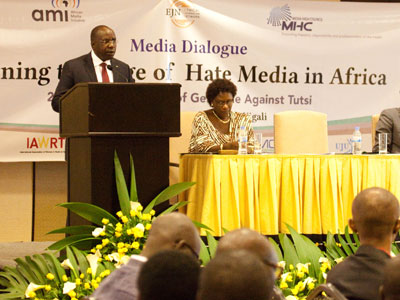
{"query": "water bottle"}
(242, 141)
(356, 141)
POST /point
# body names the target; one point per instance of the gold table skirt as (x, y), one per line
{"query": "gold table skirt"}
(311, 193)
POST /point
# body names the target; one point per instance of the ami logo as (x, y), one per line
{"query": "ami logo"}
(282, 17)
(59, 13)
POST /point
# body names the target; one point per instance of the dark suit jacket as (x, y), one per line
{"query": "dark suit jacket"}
(81, 69)
(389, 122)
(360, 275)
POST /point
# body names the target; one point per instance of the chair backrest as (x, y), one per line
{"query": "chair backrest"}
(300, 131)
(374, 121)
(330, 291)
(180, 144)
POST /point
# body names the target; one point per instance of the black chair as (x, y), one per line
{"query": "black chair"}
(331, 293)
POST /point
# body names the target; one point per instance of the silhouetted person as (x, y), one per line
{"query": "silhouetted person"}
(254, 242)
(390, 289)
(376, 220)
(235, 275)
(169, 275)
(173, 231)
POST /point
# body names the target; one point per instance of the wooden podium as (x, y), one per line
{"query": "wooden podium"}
(137, 119)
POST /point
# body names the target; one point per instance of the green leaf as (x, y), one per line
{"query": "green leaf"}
(168, 193)
(74, 229)
(204, 254)
(174, 207)
(39, 273)
(289, 252)
(134, 196)
(356, 240)
(55, 265)
(26, 271)
(277, 249)
(201, 225)
(70, 240)
(42, 264)
(74, 264)
(306, 250)
(345, 247)
(81, 259)
(122, 189)
(349, 240)
(212, 244)
(89, 212)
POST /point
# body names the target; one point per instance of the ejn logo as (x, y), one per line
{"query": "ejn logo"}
(45, 143)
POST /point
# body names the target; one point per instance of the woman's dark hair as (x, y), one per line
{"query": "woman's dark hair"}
(219, 86)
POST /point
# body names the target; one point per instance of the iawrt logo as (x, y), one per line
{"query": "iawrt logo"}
(59, 11)
(282, 17)
(182, 13)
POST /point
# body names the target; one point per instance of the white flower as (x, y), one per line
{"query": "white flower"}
(323, 260)
(282, 264)
(32, 288)
(339, 260)
(285, 275)
(93, 261)
(135, 205)
(308, 280)
(290, 297)
(98, 231)
(67, 264)
(140, 226)
(302, 267)
(124, 259)
(324, 275)
(68, 286)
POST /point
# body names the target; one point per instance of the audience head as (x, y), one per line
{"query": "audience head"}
(235, 275)
(390, 289)
(104, 42)
(169, 275)
(252, 241)
(173, 231)
(218, 86)
(375, 216)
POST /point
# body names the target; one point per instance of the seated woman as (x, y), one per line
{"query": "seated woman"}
(218, 128)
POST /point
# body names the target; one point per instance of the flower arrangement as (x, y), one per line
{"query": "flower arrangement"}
(111, 241)
(119, 241)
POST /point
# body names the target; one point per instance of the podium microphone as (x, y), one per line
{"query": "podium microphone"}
(115, 68)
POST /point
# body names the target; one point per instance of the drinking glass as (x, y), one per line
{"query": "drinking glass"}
(382, 143)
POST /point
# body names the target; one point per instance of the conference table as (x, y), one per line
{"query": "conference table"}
(311, 193)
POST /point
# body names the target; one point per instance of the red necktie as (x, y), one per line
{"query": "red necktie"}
(104, 75)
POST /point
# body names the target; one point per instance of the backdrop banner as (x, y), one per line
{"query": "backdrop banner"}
(338, 58)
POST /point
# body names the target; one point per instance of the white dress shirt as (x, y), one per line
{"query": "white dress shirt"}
(96, 62)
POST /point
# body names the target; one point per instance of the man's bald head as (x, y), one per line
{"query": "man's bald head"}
(235, 275)
(390, 290)
(375, 213)
(249, 240)
(172, 231)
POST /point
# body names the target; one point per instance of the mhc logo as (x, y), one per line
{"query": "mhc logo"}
(282, 17)
(63, 11)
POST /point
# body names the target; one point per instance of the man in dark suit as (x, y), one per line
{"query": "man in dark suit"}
(96, 66)
(376, 219)
(389, 122)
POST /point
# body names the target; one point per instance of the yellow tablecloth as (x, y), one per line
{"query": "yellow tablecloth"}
(312, 193)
